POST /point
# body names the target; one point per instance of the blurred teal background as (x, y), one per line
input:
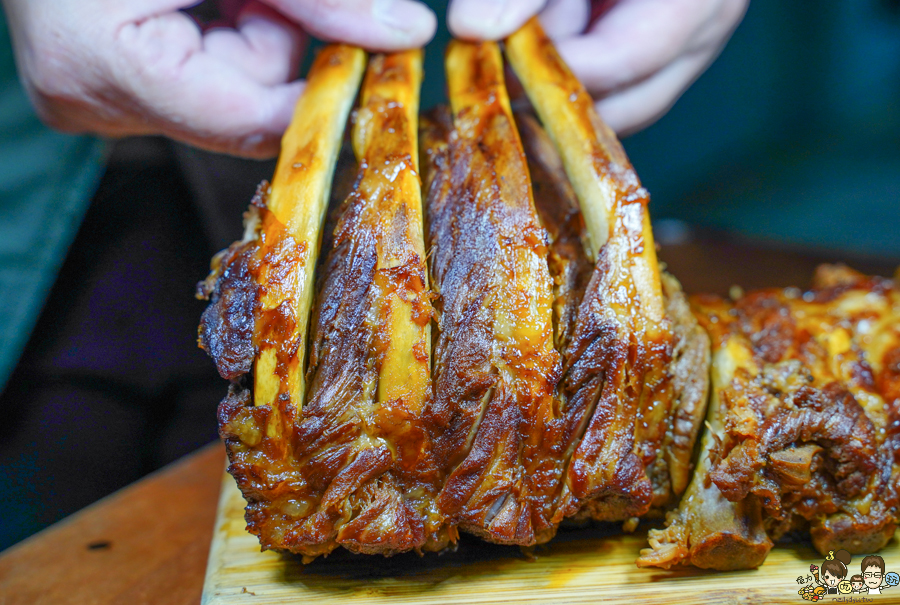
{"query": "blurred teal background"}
(793, 134)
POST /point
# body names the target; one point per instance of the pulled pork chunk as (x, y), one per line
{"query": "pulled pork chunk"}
(801, 424)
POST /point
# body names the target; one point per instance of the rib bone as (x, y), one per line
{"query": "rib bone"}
(292, 227)
(616, 363)
(494, 365)
(351, 466)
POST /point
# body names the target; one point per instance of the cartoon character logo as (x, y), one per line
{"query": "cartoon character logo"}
(874, 576)
(871, 580)
(834, 570)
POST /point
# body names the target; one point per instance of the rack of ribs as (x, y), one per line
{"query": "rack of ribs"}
(332, 452)
(803, 425)
(498, 358)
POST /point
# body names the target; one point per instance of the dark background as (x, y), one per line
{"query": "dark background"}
(791, 141)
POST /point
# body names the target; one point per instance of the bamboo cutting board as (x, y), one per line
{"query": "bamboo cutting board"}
(579, 566)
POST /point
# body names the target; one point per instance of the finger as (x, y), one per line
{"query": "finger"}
(377, 25)
(563, 19)
(195, 96)
(635, 108)
(265, 46)
(637, 38)
(489, 19)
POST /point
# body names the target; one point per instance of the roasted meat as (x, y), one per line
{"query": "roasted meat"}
(342, 458)
(495, 366)
(494, 360)
(803, 425)
(638, 420)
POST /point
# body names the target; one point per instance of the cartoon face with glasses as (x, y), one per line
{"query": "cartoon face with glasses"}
(873, 573)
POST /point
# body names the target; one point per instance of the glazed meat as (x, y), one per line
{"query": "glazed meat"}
(495, 360)
(636, 421)
(512, 310)
(802, 425)
(495, 366)
(342, 458)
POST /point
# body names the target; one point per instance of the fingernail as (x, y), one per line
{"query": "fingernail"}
(403, 15)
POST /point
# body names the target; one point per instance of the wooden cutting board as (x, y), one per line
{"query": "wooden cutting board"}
(579, 566)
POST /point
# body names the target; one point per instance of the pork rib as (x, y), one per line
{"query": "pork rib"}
(619, 363)
(341, 459)
(494, 362)
(568, 378)
(801, 425)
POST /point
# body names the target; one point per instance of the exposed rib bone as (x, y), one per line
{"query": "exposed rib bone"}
(352, 466)
(494, 365)
(369, 365)
(707, 530)
(616, 363)
(291, 230)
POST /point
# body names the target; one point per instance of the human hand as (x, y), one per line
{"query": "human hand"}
(636, 57)
(123, 67)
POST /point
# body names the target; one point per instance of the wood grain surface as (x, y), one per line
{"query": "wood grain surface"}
(581, 565)
(145, 544)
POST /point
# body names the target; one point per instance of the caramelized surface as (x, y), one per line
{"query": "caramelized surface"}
(494, 362)
(369, 361)
(801, 423)
(351, 466)
(291, 230)
(616, 371)
(565, 379)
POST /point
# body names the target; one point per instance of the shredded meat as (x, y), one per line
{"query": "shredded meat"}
(763, 421)
(802, 423)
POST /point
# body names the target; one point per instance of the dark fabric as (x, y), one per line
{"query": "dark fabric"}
(46, 183)
(111, 385)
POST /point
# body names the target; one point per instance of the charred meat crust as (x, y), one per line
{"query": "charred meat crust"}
(351, 468)
(800, 420)
(494, 361)
(571, 271)
(618, 362)
(553, 393)
(605, 478)
(309, 483)
(227, 324)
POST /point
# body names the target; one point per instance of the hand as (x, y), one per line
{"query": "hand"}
(122, 67)
(635, 56)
